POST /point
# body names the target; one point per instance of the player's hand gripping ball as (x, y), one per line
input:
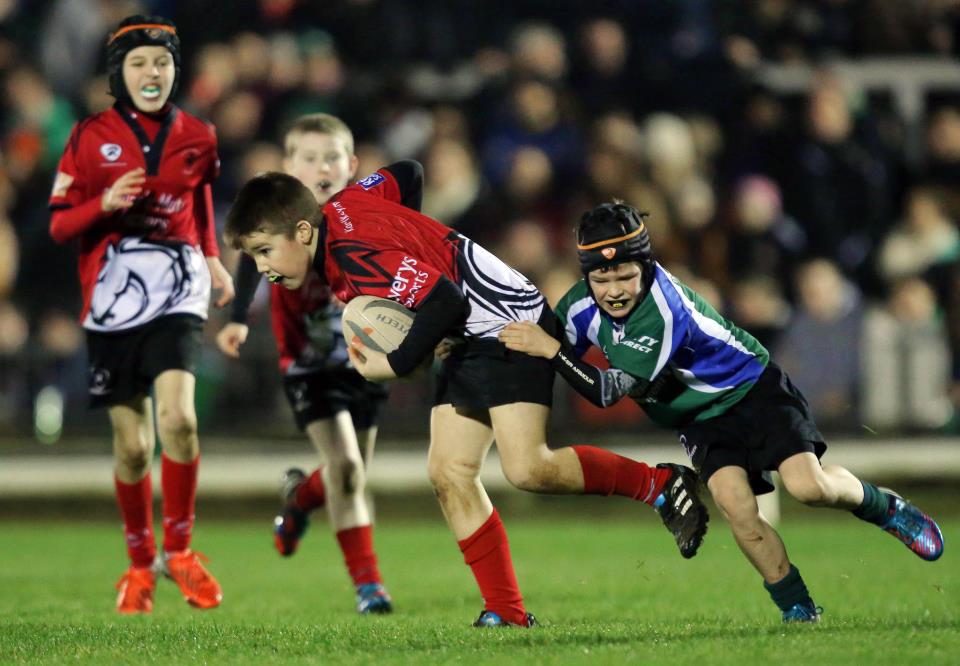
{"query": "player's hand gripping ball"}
(374, 327)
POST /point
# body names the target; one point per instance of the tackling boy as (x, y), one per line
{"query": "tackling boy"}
(737, 414)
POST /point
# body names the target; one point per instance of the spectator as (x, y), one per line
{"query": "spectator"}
(942, 165)
(762, 239)
(534, 119)
(456, 194)
(924, 240)
(905, 376)
(835, 187)
(603, 78)
(758, 304)
(820, 347)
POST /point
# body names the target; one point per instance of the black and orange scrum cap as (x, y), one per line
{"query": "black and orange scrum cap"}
(134, 31)
(612, 233)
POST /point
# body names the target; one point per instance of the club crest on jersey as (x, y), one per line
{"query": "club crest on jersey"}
(608, 252)
(370, 181)
(110, 151)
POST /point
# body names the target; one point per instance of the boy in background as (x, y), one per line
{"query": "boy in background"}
(331, 402)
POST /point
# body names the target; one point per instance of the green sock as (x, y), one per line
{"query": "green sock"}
(789, 591)
(875, 506)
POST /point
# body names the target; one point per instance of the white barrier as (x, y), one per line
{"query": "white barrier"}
(224, 474)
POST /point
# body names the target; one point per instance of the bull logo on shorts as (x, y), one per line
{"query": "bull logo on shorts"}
(99, 381)
(142, 280)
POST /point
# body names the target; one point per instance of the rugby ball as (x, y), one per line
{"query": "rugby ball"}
(377, 323)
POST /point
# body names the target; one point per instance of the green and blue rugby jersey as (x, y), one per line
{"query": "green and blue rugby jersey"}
(672, 338)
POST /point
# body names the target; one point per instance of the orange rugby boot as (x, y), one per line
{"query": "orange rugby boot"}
(135, 591)
(198, 586)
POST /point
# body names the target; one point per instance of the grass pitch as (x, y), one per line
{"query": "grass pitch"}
(606, 592)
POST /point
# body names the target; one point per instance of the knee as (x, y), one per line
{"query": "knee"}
(177, 424)
(528, 473)
(738, 506)
(345, 476)
(814, 491)
(133, 453)
(447, 472)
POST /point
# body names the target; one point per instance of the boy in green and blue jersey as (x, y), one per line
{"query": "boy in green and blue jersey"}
(737, 414)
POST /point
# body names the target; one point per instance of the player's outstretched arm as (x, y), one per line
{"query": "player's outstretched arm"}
(527, 337)
(234, 333)
(601, 387)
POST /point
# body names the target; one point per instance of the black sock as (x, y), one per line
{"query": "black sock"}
(789, 591)
(875, 506)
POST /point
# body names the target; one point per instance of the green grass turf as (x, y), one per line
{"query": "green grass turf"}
(606, 591)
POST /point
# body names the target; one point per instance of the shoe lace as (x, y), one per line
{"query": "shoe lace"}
(907, 523)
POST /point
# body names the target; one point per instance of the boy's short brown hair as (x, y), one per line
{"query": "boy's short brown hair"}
(316, 123)
(271, 203)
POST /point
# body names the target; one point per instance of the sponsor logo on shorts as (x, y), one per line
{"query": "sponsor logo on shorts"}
(100, 381)
(689, 447)
(301, 397)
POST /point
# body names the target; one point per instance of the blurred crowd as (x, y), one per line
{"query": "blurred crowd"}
(802, 216)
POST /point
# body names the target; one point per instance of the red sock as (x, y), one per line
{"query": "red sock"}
(310, 494)
(136, 507)
(357, 546)
(179, 481)
(487, 551)
(606, 473)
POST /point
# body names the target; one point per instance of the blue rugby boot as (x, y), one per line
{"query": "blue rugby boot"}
(915, 529)
(373, 598)
(803, 612)
(290, 524)
(490, 619)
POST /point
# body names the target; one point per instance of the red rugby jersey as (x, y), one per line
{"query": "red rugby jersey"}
(307, 328)
(373, 245)
(151, 268)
